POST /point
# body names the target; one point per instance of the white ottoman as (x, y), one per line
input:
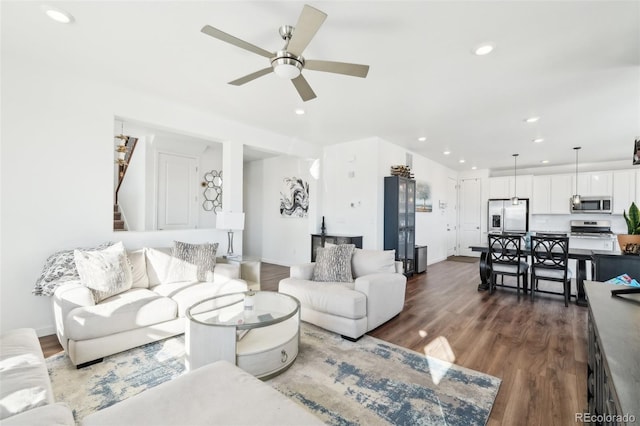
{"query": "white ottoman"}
(215, 394)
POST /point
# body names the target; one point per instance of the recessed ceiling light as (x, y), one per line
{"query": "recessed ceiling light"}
(58, 15)
(461, 160)
(299, 111)
(538, 140)
(473, 168)
(483, 49)
(422, 138)
(544, 161)
(531, 119)
(447, 152)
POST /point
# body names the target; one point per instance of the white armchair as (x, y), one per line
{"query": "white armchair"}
(350, 308)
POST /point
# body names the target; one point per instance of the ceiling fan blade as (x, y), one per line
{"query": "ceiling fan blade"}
(252, 76)
(303, 88)
(308, 24)
(355, 70)
(221, 35)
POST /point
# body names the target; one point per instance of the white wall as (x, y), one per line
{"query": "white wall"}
(351, 194)
(253, 208)
(57, 172)
(353, 188)
(431, 228)
(284, 240)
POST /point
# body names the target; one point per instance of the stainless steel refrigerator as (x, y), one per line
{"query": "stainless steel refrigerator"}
(504, 216)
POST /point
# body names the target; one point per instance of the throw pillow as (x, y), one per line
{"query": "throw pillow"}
(158, 261)
(333, 264)
(367, 262)
(192, 262)
(106, 272)
(138, 268)
(59, 268)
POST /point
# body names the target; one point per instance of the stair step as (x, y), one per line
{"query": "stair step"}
(117, 216)
(116, 208)
(118, 224)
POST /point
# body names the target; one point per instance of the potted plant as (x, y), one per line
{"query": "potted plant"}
(633, 227)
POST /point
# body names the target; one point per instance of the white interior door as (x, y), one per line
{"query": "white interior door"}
(452, 216)
(177, 198)
(470, 214)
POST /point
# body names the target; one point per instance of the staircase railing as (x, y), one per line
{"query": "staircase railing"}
(130, 145)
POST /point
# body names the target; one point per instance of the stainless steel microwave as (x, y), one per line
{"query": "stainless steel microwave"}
(592, 205)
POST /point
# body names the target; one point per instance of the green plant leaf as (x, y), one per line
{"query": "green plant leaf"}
(632, 219)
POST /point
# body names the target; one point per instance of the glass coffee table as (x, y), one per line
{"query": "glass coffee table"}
(259, 331)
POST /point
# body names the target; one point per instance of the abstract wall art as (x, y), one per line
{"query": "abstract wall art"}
(294, 197)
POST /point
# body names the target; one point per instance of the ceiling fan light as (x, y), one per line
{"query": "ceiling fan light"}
(287, 66)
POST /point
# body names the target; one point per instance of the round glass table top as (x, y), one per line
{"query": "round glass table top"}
(245, 310)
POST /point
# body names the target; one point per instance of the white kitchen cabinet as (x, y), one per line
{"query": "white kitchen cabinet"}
(624, 189)
(499, 187)
(595, 183)
(588, 243)
(506, 186)
(541, 198)
(551, 194)
(560, 193)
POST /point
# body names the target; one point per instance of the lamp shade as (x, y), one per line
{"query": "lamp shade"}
(230, 221)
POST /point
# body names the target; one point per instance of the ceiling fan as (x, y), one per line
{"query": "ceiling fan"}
(289, 62)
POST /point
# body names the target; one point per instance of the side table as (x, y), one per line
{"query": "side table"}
(249, 269)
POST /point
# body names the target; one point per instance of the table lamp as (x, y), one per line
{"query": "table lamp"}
(230, 221)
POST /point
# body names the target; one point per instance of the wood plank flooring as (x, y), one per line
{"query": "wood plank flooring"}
(538, 349)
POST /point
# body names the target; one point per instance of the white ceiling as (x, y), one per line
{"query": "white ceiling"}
(576, 64)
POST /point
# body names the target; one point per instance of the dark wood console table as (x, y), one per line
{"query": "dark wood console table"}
(613, 364)
(581, 255)
(318, 240)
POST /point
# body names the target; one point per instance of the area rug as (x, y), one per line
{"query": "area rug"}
(368, 382)
(463, 259)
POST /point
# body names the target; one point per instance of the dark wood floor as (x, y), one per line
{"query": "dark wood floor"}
(539, 349)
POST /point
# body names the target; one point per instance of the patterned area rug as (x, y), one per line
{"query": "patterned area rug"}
(369, 382)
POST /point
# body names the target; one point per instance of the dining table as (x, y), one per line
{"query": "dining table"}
(581, 256)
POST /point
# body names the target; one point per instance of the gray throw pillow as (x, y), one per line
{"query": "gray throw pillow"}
(333, 264)
(192, 262)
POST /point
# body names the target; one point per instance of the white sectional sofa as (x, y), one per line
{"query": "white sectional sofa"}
(25, 389)
(350, 308)
(152, 309)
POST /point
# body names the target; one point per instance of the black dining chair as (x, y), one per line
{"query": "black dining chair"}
(506, 256)
(550, 262)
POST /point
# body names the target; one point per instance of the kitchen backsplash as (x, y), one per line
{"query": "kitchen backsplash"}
(560, 222)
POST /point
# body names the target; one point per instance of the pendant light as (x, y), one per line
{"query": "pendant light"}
(121, 147)
(515, 200)
(575, 198)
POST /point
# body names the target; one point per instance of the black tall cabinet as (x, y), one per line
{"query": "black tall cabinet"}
(400, 219)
